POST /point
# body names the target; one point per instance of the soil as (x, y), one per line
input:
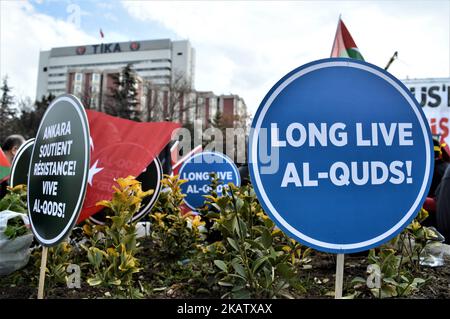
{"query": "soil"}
(318, 278)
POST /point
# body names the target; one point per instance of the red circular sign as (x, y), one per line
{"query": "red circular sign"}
(134, 46)
(81, 50)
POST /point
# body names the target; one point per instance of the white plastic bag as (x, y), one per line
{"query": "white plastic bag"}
(15, 253)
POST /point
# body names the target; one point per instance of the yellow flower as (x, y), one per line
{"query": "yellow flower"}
(126, 182)
(262, 215)
(276, 231)
(105, 203)
(112, 252)
(87, 229)
(287, 249)
(196, 222)
(414, 225)
(158, 217)
(17, 188)
(66, 247)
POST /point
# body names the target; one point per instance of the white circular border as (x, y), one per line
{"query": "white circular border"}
(223, 156)
(150, 204)
(19, 153)
(83, 117)
(143, 211)
(262, 191)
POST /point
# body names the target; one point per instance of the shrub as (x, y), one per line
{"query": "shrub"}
(111, 248)
(394, 267)
(174, 236)
(255, 259)
(15, 199)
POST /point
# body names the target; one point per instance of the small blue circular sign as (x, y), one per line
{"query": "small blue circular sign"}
(340, 155)
(197, 169)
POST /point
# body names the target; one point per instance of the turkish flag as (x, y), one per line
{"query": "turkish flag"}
(119, 148)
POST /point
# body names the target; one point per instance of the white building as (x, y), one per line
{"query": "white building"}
(158, 61)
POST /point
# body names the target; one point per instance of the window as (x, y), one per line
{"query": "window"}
(56, 74)
(78, 77)
(44, 69)
(95, 77)
(56, 82)
(77, 89)
(180, 53)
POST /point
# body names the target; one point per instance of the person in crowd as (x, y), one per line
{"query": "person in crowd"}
(440, 165)
(244, 173)
(443, 206)
(10, 147)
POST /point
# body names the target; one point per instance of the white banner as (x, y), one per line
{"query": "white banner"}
(434, 97)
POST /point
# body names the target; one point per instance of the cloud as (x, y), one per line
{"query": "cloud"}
(23, 33)
(110, 16)
(246, 47)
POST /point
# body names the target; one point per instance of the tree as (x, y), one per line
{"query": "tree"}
(171, 102)
(154, 103)
(31, 115)
(7, 112)
(123, 98)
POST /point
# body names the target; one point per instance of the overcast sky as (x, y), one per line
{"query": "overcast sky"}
(242, 47)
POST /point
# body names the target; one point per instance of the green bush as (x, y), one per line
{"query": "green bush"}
(112, 248)
(174, 236)
(255, 259)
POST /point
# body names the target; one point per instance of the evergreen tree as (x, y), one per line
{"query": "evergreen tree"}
(7, 112)
(217, 121)
(122, 100)
(31, 116)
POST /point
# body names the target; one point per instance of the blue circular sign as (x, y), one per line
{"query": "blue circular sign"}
(340, 155)
(197, 169)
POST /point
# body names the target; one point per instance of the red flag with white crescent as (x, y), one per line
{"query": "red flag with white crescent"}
(119, 148)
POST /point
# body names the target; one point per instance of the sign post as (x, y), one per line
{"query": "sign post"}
(42, 272)
(340, 156)
(339, 276)
(197, 169)
(58, 173)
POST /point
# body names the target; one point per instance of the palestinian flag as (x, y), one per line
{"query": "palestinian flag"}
(5, 167)
(344, 46)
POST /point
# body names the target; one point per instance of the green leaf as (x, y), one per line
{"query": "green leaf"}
(266, 239)
(115, 282)
(239, 268)
(233, 243)
(255, 244)
(358, 280)
(242, 294)
(221, 264)
(390, 281)
(388, 291)
(239, 204)
(225, 284)
(258, 263)
(285, 271)
(94, 281)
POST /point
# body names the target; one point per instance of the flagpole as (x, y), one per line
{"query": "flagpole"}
(394, 56)
(337, 29)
